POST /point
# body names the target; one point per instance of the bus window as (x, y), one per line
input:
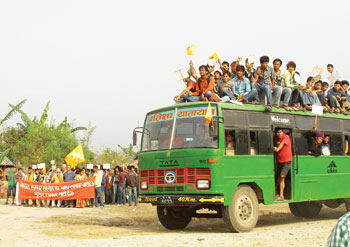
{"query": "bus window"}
(336, 144)
(242, 144)
(301, 144)
(253, 142)
(230, 142)
(264, 142)
(326, 145)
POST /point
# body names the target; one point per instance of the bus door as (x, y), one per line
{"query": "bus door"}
(289, 179)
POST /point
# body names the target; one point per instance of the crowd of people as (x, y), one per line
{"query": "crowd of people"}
(112, 186)
(238, 83)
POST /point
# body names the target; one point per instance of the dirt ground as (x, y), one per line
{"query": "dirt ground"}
(120, 226)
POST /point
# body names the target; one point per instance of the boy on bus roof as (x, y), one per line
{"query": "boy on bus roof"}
(285, 92)
(283, 149)
(266, 81)
(337, 98)
(190, 87)
(226, 87)
(308, 95)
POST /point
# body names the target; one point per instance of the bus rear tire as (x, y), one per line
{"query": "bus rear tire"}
(242, 214)
(172, 218)
(305, 209)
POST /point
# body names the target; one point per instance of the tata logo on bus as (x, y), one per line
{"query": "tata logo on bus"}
(280, 120)
(170, 177)
(169, 162)
(332, 168)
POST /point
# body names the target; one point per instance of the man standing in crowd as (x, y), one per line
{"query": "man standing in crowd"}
(98, 174)
(115, 184)
(19, 176)
(266, 81)
(283, 149)
(11, 189)
(29, 177)
(69, 176)
(121, 187)
(109, 186)
(131, 184)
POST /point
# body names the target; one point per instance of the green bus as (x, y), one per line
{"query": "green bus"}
(228, 167)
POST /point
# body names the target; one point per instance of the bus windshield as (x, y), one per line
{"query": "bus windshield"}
(187, 130)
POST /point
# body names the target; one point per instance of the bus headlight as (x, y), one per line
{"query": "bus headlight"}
(203, 184)
(144, 185)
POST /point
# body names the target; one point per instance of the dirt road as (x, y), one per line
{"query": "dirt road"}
(120, 226)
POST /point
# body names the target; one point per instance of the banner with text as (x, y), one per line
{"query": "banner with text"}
(83, 189)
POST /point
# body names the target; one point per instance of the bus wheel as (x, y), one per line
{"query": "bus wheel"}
(172, 218)
(305, 209)
(242, 214)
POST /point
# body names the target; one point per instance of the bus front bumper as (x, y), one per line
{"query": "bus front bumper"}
(182, 200)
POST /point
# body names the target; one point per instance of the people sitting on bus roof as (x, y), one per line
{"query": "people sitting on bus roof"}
(249, 70)
(242, 85)
(266, 81)
(320, 94)
(344, 88)
(308, 95)
(226, 86)
(283, 91)
(337, 98)
(325, 148)
(314, 141)
(190, 87)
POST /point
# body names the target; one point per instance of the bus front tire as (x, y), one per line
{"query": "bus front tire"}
(242, 214)
(172, 218)
(305, 209)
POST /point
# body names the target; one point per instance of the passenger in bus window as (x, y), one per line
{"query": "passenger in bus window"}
(315, 141)
(336, 98)
(230, 143)
(283, 149)
(252, 135)
(202, 139)
(177, 142)
(346, 145)
(266, 81)
(325, 148)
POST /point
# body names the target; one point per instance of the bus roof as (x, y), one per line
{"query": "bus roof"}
(251, 107)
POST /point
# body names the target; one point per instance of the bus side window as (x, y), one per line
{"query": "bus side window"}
(264, 142)
(337, 144)
(242, 142)
(301, 145)
(253, 142)
(230, 142)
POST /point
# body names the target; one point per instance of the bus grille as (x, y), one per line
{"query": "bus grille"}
(183, 176)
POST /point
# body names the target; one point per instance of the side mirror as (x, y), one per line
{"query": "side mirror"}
(213, 129)
(134, 138)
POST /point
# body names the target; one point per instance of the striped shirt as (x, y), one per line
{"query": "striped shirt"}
(340, 235)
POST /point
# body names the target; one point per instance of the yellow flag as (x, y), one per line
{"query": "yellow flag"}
(214, 55)
(208, 115)
(191, 49)
(75, 157)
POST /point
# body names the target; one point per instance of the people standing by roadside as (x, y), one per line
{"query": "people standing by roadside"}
(11, 189)
(29, 177)
(121, 187)
(109, 186)
(131, 183)
(19, 176)
(81, 203)
(69, 176)
(98, 174)
(115, 185)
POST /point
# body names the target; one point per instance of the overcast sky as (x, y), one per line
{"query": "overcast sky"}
(110, 62)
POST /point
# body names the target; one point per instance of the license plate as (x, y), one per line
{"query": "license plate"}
(166, 199)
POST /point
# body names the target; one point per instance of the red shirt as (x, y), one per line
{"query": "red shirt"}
(285, 154)
(191, 84)
(204, 86)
